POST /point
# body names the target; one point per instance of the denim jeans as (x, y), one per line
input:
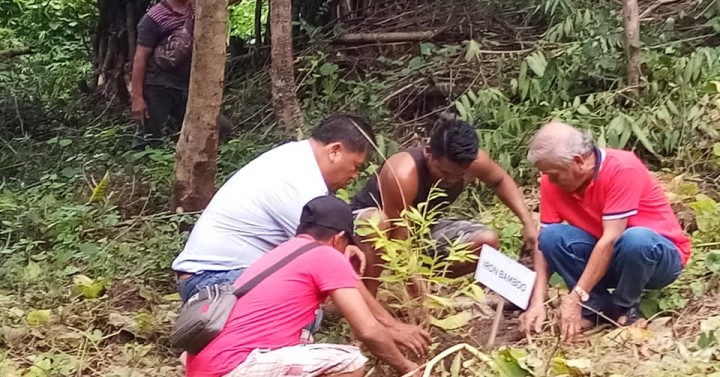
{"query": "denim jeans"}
(642, 259)
(192, 285)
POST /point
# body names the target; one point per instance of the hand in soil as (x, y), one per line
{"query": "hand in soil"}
(533, 319)
(411, 370)
(571, 321)
(411, 337)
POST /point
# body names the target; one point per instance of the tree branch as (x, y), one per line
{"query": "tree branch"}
(13, 52)
(387, 37)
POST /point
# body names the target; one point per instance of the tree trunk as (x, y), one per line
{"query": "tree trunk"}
(258, 22)
(285, 102)
(632, 41)
(196, 154)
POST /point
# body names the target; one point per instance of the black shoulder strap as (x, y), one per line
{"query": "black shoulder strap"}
(245, 288)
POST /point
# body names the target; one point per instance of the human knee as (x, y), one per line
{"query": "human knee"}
(485, 237)
(634, 243)
(373, 216)
(551, 236)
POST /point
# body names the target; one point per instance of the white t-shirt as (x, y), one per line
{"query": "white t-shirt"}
(257, 209)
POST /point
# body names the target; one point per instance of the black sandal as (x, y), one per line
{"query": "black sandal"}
(631, 314)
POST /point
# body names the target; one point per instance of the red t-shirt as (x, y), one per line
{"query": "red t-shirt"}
(273, 314)
(622, 188)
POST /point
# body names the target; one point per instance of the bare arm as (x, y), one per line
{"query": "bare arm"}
(139, 67)
(602, 254)
(397, 183)
(495, 177)
(374, 335)
(139, 106)
(408, 336)
(542, 279)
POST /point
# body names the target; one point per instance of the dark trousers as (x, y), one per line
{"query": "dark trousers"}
(166, 110)
(642, 259)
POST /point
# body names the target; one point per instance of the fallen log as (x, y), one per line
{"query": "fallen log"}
(389, 37)
(13, 52)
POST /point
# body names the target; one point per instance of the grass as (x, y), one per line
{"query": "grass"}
(87, 289)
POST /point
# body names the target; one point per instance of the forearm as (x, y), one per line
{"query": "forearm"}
(598, 264)
(138, 76)
(509, 193)
(380, 344)
(542, 278)
(377, 310)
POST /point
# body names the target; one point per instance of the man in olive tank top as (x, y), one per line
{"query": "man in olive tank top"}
(452, 160)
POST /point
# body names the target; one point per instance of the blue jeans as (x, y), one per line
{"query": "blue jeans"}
(192, 285)
(642, 259)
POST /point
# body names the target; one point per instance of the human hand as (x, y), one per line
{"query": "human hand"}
(139, 109)
(352, 251)
(570, 317)
(530, 237)
(411, 370)
(411, 337)
(533, 318)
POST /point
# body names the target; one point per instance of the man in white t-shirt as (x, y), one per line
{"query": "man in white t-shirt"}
(259, 207)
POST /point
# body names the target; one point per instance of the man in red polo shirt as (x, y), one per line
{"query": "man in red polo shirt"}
(606, 224)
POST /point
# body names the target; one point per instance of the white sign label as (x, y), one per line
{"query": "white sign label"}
(505, 276)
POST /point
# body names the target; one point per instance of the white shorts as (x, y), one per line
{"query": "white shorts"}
(305, 360)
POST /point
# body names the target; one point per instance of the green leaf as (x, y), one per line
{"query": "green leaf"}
(475, 292)
(64, 142)
(617, 125)
(508, 363)
(472, 51)
(642, 136)
(713, 261)
(582, 110)
(327, 69)
(442, 301)
(427, 48)
(416, 62)
(38, 317)
(98, 192)
(452, 322)
(364, 231)
(537, 63)
(649, 307)
(716, 149)
(88, 288)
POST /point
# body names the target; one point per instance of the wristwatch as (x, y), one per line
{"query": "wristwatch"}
(584, 296)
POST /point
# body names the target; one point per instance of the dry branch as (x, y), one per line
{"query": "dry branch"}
(389, 37)
(13, 52)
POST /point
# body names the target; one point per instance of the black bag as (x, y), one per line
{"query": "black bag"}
(204, 314)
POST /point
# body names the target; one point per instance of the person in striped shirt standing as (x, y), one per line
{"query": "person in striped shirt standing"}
(161, 71)
(606, 224)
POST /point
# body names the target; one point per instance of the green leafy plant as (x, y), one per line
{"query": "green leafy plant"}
(415, 262)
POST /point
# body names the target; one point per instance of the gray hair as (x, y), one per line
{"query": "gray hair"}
(558, 143)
